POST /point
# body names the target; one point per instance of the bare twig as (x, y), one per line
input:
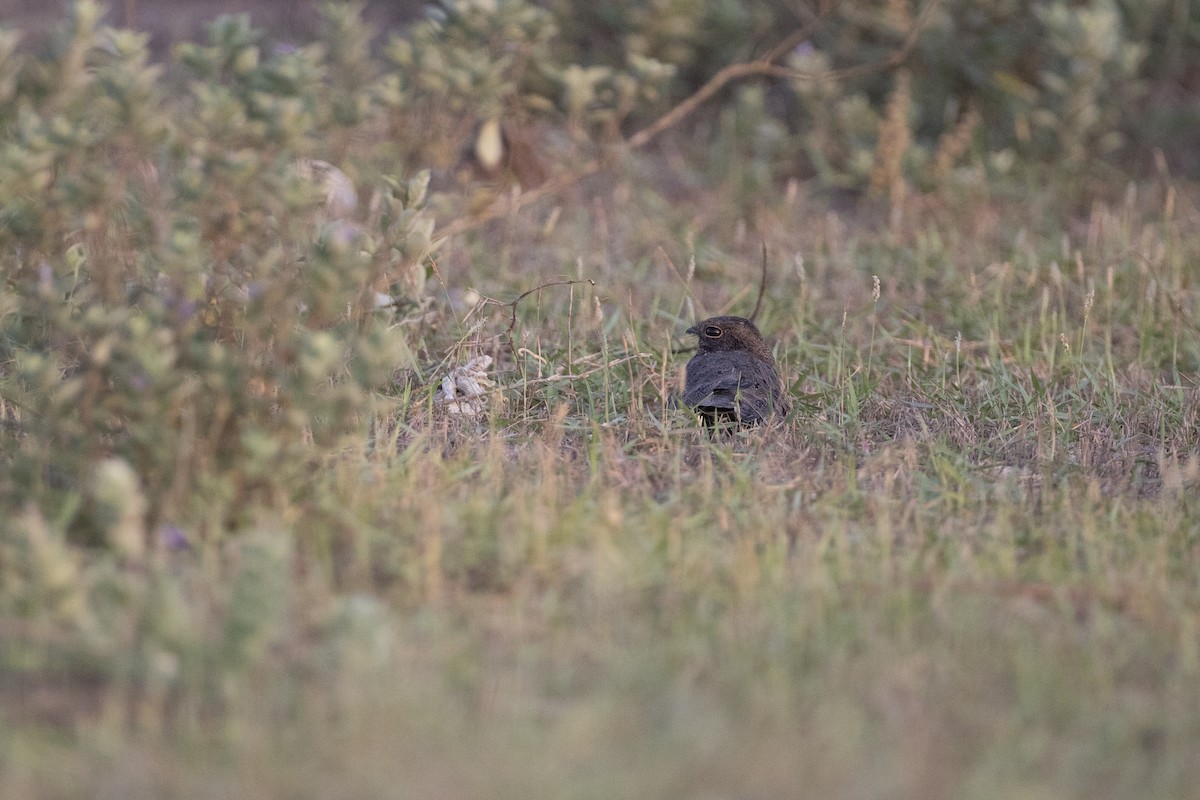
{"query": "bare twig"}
(767, 66)
(801, 34)
(478, 324)
(895, 59)
(512, 323)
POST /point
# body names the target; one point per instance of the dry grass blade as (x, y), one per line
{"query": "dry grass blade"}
(762, 284)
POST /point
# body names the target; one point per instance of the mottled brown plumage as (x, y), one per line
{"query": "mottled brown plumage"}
(732, 377)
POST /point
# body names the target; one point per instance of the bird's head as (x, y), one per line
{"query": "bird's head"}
(722, 334)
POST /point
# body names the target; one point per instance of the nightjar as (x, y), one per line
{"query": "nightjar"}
(732, 377)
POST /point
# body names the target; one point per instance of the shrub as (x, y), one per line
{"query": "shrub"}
(175, 298)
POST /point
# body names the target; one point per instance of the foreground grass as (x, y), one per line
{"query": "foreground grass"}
(611, 623)
(966, 566)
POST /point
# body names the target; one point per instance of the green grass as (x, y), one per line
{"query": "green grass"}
(965, 567)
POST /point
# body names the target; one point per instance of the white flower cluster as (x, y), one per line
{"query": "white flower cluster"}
(464, 387)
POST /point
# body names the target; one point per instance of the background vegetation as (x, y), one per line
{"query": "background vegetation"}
(293, 507)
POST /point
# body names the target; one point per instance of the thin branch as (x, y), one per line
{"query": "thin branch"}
(895, 59)
(767, 66)
(717, 82)
(764, 66)
(801, 34)
(514, 303)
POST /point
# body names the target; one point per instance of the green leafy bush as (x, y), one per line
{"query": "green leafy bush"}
(175, 299)
(1048, 82)
(1057, 81)
(185, 316)
(478, 60)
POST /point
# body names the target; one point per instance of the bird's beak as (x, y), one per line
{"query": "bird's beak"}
(694, 330)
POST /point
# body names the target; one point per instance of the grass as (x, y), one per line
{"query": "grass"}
(965, 567)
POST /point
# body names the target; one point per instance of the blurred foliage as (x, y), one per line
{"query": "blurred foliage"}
(190, 326)
(174, 301)
(479, 60)
(1048, 81)
(189, 331)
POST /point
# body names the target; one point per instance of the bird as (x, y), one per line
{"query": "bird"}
(732, 377)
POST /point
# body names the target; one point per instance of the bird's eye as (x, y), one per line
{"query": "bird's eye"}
(712, 331)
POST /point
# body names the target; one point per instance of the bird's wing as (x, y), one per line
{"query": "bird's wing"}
(735, 382)
(716, 387)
